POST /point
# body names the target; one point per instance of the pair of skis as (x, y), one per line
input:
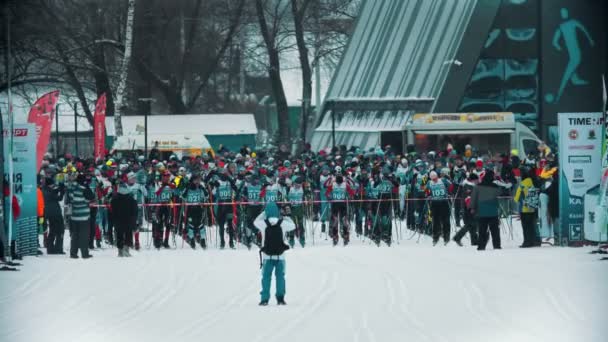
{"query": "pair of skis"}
(10, 266)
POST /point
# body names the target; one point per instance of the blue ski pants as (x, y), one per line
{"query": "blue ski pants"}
(279, 271)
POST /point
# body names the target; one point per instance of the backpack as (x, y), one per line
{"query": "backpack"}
(273, 239)
(531, 199)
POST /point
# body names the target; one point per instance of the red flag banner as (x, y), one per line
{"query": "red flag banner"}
(99, 128)
(41, 115)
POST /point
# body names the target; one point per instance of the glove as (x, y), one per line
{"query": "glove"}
(41, 220)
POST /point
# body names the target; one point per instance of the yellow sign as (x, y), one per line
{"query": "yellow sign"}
(448, 118)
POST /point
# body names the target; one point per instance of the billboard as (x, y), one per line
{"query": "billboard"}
(25, 228)
(573, 57)
(580, 163)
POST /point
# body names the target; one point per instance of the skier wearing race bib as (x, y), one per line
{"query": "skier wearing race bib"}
(438, 190)
(138, 191)
(251, 194)
(295, 196)
(338, 191)
(325, 206)
(459, 175)
(401, 175)
(527, 197)
(419, 193)
(162, 219)
(362, 185)
(225, 191)
(195, 214)
(272, 191)
(386, 187)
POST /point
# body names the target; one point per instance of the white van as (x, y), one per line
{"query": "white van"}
(493, 132)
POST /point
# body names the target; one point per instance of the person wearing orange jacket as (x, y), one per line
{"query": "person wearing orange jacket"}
(40, 212)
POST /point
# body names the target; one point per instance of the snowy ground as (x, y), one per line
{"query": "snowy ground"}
(409, 292)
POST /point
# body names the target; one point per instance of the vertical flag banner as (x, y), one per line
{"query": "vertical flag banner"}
(99, 127)
(25, 227)
(602, 208)
(41, 115)
(580, 163)
(605, 131)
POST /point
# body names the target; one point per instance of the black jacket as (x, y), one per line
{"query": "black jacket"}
(553, 192)
(52, 197)
(124, 209)
(273, 239)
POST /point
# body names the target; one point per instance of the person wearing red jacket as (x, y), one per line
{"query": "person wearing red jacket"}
(16, 209)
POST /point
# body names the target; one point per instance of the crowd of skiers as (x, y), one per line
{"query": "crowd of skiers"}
(111, 200)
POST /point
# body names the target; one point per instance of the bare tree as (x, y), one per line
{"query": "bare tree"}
(122, 85)
(298, 10)
(270, 33)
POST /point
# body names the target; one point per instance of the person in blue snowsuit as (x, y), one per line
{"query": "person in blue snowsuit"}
(273, 228)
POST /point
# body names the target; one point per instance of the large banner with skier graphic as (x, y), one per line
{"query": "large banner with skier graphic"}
(25, 229)
(41, 114)
(580, 162)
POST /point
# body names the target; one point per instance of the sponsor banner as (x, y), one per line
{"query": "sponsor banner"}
(99, 128)
(580, 164)
(41, 114)
(602, 208)
(25, 229)
(459, 118)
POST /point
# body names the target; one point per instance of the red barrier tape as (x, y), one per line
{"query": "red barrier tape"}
(208, 204)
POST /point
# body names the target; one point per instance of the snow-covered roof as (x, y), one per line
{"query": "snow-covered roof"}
(166, 142)
(373, 98)
(187, 124)
(400, 49)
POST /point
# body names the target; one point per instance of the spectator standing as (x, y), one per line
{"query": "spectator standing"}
(124, 214)
(484, 205)
(53, 195)
(80, 196)
(527, 196)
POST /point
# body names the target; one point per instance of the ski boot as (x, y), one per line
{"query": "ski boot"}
(203, 244)
(166, 243)
(231, 244)
(125, 251)
(98, 243)
(281, 301)
(192, 243)
(121, 253)
(137, 246)
(222, 244)
(263, 303)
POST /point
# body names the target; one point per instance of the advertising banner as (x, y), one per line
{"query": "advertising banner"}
(41, 114)
(459, 118)
(99, 128)
(580, 163)
(25, 229)
(602, 208)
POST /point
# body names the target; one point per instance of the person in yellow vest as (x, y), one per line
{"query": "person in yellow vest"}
(468, 151)
(543, 150)
(527, 196)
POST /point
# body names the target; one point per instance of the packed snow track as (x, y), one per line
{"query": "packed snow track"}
(408, 292)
